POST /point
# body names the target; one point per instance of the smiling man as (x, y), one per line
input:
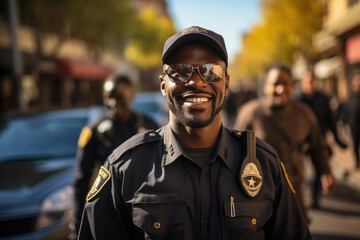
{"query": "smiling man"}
(193, 178)
(290, 127)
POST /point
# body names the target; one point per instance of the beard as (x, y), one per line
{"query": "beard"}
(175, 107)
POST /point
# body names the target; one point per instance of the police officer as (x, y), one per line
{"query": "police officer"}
(100, 137)
(193, 178)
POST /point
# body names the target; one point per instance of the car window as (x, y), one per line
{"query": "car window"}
(40, 138)
(152, 104)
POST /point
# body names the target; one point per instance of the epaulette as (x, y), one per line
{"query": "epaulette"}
(133, 142)
(259, 142)
(264, 145)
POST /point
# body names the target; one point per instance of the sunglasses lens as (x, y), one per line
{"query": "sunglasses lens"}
(182, 72)
(211, 72)
(179, 72)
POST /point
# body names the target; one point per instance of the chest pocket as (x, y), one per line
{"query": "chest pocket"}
(159, 216)
(246, 218)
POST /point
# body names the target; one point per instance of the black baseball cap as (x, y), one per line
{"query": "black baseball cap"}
(195, 33)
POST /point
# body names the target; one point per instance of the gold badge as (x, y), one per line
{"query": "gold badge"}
(102, 178)
(287, 177)
(251, 179)
(85, 136)
(250, 176)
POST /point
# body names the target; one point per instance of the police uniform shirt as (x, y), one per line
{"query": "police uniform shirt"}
(147, 189)
(104, 134)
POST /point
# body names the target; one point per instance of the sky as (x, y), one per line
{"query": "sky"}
(230, 18)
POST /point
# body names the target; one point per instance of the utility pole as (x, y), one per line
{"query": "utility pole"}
(17, 66)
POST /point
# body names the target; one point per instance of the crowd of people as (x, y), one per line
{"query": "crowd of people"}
(197, 178)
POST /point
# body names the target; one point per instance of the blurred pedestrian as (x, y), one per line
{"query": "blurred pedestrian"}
(188, 179)
(233, 102)
(290, 127)
(320, 104)
(352, 111)
(99, 138)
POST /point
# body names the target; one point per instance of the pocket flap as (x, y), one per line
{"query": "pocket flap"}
(158, 214)
(257, 211)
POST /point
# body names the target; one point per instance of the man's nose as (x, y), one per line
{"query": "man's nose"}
(195, 80)
(279, 89)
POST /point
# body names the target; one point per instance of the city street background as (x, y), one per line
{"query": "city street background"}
(339, 215)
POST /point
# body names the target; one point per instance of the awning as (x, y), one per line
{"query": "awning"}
(81, 69)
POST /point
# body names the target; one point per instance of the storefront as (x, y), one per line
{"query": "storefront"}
(58, 82)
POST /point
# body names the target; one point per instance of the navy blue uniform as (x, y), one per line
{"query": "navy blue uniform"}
(148, 189)
(104, 135)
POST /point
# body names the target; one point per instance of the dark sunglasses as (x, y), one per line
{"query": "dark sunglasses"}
(182, 72)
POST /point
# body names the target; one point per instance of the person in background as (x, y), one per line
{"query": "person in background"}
(189, 179)
(320, 104)
(352, 118)
(290, 127)
(233, 102)
(100, 137)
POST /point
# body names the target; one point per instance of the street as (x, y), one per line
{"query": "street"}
(339, 215)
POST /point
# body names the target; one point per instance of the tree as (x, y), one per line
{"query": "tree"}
(287, 27)
(145, 48)
(98, 23)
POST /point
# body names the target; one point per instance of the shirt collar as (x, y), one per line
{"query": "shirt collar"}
(174, 149)
(224, 148)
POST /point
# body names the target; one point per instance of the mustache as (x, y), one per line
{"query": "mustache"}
(193, 91)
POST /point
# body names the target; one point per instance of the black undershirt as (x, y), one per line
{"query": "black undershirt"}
(200, 156)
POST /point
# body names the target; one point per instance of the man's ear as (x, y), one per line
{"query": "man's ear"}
(162, 84)
(227, 82)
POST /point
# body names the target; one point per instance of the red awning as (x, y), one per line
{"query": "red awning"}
(353, 49)
(80, 69)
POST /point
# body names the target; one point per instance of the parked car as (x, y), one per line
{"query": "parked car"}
(152, 104)
(37, 162)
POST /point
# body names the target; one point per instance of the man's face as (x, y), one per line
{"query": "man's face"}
(195, 103)
(278, 87)
(123, 96)
(308, 84)
(355, 83)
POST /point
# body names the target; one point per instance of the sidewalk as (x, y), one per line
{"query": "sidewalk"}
(342, 163)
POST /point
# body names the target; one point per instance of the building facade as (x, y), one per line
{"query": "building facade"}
(72, 77)
(338, 45)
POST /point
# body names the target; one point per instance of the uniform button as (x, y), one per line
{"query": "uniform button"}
(253, 221)
(157, 225)
(238, 133)
(152, 134)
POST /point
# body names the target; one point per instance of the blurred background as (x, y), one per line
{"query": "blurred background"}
(59, 54)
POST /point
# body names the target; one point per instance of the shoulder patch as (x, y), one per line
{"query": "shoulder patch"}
(100, 181)
(287, 177)
(84, 137)
(134, 141)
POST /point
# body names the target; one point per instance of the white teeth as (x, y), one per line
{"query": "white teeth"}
(197, 99)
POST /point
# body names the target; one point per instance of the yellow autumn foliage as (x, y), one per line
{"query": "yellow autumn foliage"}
(287, 26)
(145, 48)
